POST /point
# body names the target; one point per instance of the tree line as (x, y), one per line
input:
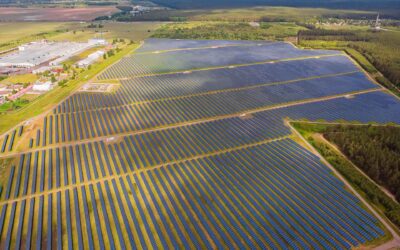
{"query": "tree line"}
(375, 150)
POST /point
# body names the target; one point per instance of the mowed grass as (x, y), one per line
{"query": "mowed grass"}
(137, 31)
(26, 78)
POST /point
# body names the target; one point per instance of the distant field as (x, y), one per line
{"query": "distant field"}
(137, 31)
(15, 33)
(252, 14)
(270, 13)
(54, 14)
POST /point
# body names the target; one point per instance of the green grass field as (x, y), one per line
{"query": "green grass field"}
(14, 33)
(11, 31)
(132, 31)
(26, 78)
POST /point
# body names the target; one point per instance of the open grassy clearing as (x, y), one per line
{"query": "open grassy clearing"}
(20, 79)
(137, 31)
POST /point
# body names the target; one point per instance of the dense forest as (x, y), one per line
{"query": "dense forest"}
(375, 150)
(228, 31)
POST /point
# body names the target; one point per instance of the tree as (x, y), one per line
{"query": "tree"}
(62, 83)
(376, 150)
(110, 53)
(53, 79)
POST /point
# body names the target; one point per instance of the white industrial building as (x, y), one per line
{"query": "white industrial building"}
(97, 42)
(90, 59)
(36, 53)
(42, 86)
(42, 69)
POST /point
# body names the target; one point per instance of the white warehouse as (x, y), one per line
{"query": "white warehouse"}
(42, 86)
(90, 59)
(36, 53)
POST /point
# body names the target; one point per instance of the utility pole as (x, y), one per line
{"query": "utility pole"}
(377, 26)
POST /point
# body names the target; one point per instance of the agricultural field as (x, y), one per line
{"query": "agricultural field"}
(192, 150)
(14, 31)
(39, 14)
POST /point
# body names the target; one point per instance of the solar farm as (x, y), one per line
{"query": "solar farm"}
(191, 150)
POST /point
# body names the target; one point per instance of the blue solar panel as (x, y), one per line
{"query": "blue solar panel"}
(39, 224)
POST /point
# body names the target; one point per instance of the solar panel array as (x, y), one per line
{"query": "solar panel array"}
(198, 159)
(151, 63)
(157, 87)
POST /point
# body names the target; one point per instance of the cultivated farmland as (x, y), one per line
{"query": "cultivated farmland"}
(54, 14)
(192, 151)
